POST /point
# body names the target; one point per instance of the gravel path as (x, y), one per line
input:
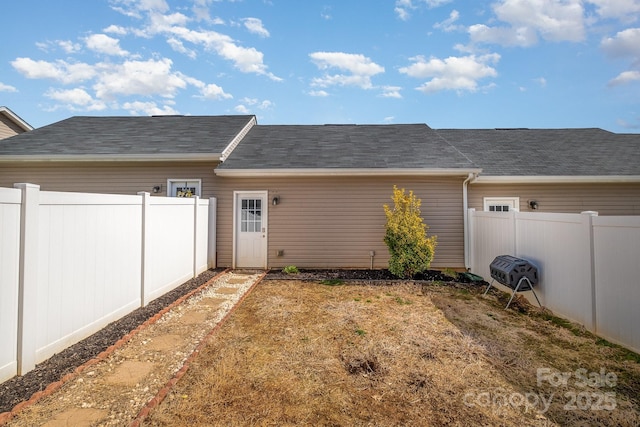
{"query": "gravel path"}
(113, 390)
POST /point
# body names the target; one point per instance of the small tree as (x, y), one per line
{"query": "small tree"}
(410, 249)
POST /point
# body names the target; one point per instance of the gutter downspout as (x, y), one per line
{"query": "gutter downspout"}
(465, 206)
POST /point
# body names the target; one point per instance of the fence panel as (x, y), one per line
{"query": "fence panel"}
(588, 264)
(559, 245)
(89, 265)
(70, 263)
(169, 224)
(10, 199)
(493, 235)
(617, 255)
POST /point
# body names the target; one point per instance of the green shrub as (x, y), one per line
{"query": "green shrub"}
(410, 250)
(290, 269)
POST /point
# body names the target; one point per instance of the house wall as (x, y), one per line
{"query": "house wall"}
(108, 178)
(607, 199)
(321, 222)
(8, 127)
(325, 222)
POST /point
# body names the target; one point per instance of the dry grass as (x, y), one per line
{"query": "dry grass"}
(299, 353)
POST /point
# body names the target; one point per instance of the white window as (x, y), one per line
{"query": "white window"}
(183, 187)
(501, 204)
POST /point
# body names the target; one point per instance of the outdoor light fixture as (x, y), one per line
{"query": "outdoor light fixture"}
(157, 189)
(533, 204)
(275, 200)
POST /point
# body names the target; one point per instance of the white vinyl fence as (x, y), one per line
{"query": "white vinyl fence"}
(588, 265)
(70, 263)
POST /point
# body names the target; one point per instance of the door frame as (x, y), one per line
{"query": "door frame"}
(265, 223)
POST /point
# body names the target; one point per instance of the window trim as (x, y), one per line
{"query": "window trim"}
(512, 202)
(174, 181)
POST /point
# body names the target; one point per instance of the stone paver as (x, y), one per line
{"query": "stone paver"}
(77, 417)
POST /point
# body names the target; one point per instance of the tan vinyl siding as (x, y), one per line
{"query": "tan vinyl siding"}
(606, 199)
(325, 222)
(8, 127)
(110, 178)
(321, 222)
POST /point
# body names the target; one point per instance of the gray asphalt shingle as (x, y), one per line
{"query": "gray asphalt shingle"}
(548, 152)
(129, 135)
(405, 146)
(498, 152)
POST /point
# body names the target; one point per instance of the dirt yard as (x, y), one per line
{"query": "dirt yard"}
(326, 353)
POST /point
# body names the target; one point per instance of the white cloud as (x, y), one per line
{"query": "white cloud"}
(76, 98)
(505, 36)
(254, 25)
(61, 71)
(625, 43)
(625, 77)
(147, 78)
(263, 105)
(213, 91)
(247, 60)
(453, 73)
(178, 46)
(319, 93)
(625, 10)
(241, 109)
(148, 109)
(402, 7)
(448, 24)
(134, 7)
(388, 119)
(174, 26)
(359, 67)
(69, 46)
(527, 20)
(7, 88)
(102, 43)
(541, 81)
(115, 29)
(391, 92)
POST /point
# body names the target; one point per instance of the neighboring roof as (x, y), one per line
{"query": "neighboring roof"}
(129, 138)
(15, 119)
(344, 149)
(549, 154)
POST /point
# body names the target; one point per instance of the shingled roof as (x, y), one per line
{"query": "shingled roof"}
(250, 149)
(548, 152)
(333, 148)
(156, 137)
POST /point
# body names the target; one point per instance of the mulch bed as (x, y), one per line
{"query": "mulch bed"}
(21, 388)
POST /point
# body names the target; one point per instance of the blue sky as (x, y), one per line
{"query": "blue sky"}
(446, 63)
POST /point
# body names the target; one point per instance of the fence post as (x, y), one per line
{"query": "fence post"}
(514, 227)
(211, 246)
(143, 258)
(587, 221)
(196, 205)
(470, 261)
(28, 277)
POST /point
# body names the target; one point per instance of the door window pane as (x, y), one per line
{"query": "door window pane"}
(251, 216)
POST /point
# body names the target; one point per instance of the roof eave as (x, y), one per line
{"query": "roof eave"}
(311, 172)
(557, 179)
(16, 119)
(80, 158)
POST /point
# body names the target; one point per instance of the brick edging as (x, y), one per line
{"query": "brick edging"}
(155, 401)
(5, 417)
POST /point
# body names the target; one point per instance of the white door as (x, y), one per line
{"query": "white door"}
(250, 230)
